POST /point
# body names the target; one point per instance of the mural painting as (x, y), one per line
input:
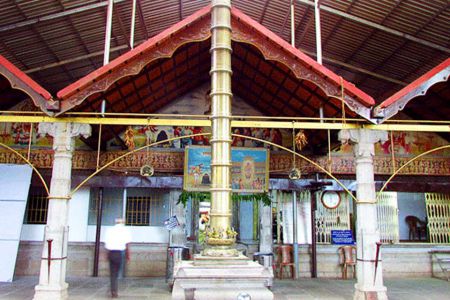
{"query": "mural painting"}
(407, 144)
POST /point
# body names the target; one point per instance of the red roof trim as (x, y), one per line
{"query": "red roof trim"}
(419, 83)
(358, 97)
(25, 79)
(144, 47)
(349, 87)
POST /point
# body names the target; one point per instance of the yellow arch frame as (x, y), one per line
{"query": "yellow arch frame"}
(206, 134)
(409, 162)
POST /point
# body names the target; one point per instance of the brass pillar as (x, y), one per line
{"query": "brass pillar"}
(220, 236)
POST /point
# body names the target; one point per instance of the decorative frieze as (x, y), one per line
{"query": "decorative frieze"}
(280, 163)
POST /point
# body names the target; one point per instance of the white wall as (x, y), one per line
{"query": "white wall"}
(409, 204)
(139, 234)
(78, 215)
(80, 231)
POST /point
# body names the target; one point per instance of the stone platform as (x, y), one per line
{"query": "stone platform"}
(221, 278)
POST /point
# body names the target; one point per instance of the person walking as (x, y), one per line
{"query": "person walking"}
(117, 239)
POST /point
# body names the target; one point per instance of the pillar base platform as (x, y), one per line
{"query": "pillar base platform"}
(51, 292)
(221, 278)
(372, 294)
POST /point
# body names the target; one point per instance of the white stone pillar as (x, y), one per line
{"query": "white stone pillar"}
(265, 236)
(178, 234)
(52, 276)
(369, 285)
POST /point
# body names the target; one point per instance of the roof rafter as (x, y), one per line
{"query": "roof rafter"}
(377, 26)
(61, 14)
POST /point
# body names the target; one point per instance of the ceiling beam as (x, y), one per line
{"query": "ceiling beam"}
(56, 15)
(377, 26)
(180, 9)
(292, 122)
(122, 28)
(402, 45)
(122, 47)
(360, 70)
(142, 19)
(263, 13)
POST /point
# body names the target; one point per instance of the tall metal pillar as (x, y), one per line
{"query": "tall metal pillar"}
(221, 131)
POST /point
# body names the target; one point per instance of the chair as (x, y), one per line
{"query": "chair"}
(416, 227)
(284, 259)
(347, 257)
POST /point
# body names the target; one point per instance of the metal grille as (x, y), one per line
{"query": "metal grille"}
(438, 213)
(331, 219)
(145, 210)
(112, 205)
(387, 213)
(37, 206)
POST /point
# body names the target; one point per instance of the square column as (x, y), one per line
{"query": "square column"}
(52, 284)
(369, 272)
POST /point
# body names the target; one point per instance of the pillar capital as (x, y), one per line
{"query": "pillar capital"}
(71, 129)
(63, 133)
(363, 140)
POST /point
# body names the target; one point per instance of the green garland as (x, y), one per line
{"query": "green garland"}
(205, 196)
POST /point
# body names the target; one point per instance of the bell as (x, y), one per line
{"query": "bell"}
(147, 171)
(294, 173)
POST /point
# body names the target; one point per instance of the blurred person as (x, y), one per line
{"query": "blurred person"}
(117, 239)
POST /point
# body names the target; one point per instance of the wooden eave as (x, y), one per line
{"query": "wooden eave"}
(18, 80)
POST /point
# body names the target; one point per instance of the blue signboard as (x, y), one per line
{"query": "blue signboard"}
(342, 237)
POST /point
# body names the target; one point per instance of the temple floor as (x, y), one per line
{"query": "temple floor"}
(157, 289)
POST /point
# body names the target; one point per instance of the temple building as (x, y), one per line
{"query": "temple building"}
(211, 131)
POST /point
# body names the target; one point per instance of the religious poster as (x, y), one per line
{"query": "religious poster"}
(249, 171)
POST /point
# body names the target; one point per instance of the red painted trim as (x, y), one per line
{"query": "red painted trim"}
(365, 99)
(82, 83)
(415, 84)
(25, 78)
(144, 47)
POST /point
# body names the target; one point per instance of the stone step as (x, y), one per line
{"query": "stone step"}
(232, 294)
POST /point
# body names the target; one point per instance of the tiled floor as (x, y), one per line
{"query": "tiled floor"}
(305, 289)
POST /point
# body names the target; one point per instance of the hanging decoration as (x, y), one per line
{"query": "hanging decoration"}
(301, 140)
(295, 173)
(147, 170)
(204, 196)
(129, 138)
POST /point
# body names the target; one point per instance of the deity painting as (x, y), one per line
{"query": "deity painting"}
(249, 171)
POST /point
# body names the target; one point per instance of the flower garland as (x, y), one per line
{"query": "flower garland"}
(205, 196)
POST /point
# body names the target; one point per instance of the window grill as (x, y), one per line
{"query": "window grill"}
(145, 210)
(332, 219)
(387, 214)
(438, 214)
(37, 206)
(112, 205)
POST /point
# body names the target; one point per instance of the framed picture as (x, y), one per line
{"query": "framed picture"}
(249, 171)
